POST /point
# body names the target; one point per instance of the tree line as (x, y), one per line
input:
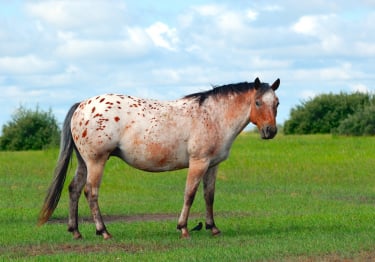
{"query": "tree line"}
(342, 114)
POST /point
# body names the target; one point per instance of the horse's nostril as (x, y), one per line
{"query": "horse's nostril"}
(268, 132)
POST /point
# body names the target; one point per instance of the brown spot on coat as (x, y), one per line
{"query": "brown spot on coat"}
(84, 133)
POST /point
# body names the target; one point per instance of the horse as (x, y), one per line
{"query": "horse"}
(194, 132)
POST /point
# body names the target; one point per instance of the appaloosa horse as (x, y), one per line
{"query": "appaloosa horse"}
(194, 132)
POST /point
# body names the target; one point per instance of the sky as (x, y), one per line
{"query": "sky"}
(56, 53)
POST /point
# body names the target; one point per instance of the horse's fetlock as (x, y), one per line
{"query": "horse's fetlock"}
(180, 227)
(210, 226)
(101, 231)
(104, 233)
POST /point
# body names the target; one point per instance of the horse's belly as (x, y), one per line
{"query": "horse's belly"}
(156, 157)
(157, 164)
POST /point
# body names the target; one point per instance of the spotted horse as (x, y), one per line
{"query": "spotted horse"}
(194, 132)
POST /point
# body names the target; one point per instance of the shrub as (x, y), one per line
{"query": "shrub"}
(360, 123)
(324, 113)
(30, 130)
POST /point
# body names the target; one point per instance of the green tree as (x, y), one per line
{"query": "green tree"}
(360, 123)
(30, 130)
(324, 113)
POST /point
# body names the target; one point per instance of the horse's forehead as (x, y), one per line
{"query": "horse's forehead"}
(269, 97)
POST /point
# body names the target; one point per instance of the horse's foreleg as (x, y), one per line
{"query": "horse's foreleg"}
(209, 180)
(197, 168)
(75, 189)
(94, 176)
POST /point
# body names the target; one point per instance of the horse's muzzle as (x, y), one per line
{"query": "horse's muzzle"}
(268, 132)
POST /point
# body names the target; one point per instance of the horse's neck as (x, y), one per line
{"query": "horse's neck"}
(233, 113)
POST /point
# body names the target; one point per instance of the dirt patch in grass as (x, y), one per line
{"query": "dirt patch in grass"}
(85, 248)
(130, 218)
(364, 256)
(47, 249)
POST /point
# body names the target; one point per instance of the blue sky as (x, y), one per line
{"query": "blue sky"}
(55, 53)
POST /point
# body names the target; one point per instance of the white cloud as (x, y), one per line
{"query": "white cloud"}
(360, 88)
(306, 25)
(209, 10)
(264, 63)
(169, 75)
(344, 71)
(230, 21)
(76, 14)
(315, 25)
(137, 37)
(186, 19)
(134, 42)
(16, 92)
(163, 36)
(273, 8)
(252, 15)
(221, 18)
(332, 43)
(365, 48)
(29, 64)
(307, 94)
(329, 30)
(80, 48)
(340, 72)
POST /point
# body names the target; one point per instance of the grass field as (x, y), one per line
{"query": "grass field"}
(294, 198)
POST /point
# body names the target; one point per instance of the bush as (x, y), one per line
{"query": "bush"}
(30, 130)
(360, 123)
(324, 113)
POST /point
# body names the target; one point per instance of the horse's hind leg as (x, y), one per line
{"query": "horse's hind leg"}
(75, 190)
(94, 175)
(209, 194)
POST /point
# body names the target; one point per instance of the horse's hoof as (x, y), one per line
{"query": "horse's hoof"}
(215, 232)
(184, 233)
(77, 235)
(106, 236)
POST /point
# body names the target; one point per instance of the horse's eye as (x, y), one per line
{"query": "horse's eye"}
(258, 103)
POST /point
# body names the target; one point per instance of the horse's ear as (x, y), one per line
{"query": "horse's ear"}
(257, 83)
(276, 84)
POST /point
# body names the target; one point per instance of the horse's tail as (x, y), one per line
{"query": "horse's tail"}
(66, 150)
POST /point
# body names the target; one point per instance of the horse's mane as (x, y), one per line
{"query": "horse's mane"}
(223, 90)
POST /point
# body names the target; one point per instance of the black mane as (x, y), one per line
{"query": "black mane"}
(223, 90)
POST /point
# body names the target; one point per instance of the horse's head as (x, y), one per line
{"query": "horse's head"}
(264, 108)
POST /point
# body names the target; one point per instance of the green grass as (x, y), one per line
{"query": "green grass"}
(291, 198)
